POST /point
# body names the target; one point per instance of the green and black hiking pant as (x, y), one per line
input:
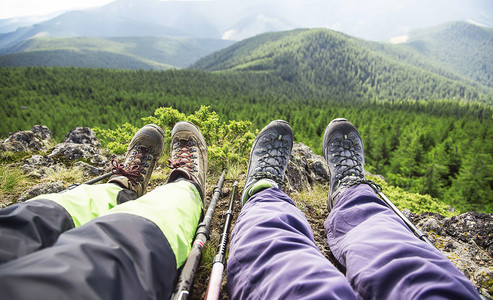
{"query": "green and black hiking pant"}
(92, 243)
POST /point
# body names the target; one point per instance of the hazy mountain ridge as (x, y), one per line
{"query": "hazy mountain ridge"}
(134, 52)
(195, 19)
(372, 20)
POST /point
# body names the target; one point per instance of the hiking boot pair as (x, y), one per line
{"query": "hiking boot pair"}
(188, 157)
(269, 157)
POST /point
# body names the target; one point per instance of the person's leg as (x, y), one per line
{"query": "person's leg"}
(272, 253)
(37, 223)
(131, 252)
(175, 208)
(117, 256)
(383, 258)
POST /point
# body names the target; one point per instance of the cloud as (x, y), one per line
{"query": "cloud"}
(399, 39)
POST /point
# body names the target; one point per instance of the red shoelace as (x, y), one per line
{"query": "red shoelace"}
(184, 157)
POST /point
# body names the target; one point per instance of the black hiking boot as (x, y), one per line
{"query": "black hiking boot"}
(343, 151)
(143, 152)
(189, 157)
(269, 158)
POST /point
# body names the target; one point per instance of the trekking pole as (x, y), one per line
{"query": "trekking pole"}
(99, 178)
(214, 287)
(92, 181)
(185, 280)
(421, 235)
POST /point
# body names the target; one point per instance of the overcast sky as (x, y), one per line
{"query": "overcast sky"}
(21, 8)
(363, 18)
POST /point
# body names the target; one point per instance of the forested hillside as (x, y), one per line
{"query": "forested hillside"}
(331, 63)
(443, 148)
(463, 47)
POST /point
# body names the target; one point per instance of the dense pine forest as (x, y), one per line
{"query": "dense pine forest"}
(442, 147)
(332, 64)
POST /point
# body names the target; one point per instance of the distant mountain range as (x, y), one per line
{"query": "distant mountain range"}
(454, 60)
(157, 53)
(126, 18)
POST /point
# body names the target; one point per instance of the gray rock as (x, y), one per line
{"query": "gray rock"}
(36, 165)
(472, 226)
(74, 152)
(466, 240)
(41, 189)
(305, 169)
(80, 144)
(432, 225)
(88, 169)
(42, 132)
(82, 135)
(36, 139)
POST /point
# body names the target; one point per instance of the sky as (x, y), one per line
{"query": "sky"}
(24, 8)
(363, 18)
(17, 8)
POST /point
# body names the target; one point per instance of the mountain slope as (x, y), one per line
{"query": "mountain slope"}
(464, 48)
(80, 59)
(123, 53)
(335, 64)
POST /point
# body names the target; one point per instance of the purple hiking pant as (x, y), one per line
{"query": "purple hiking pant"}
(273, 254)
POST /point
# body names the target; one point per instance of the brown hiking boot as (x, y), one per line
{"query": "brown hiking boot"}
(143, 152)
(189, 157)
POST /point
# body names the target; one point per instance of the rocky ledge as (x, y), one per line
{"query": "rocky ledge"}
(80, 149)
(466, 239)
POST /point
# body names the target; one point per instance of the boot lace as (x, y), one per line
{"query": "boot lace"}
(135, 165)
(273, 156)
(184, 157)
(347, 158)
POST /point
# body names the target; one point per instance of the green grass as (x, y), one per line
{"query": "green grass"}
(10, 178)
(12, 182)
(68, 175)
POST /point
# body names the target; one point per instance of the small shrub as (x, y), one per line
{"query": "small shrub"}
(228, 143)
(116, 140)
(314, 199)
(416, 203)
